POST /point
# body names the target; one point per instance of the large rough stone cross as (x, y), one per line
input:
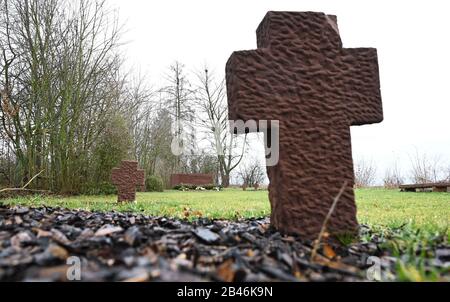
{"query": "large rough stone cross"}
(302, 76)
(126, 178)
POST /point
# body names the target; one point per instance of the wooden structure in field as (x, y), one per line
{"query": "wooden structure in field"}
(435, 187)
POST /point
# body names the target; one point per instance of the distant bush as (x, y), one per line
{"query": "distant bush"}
(154, 184)
(103, 188)
(187, 187)
(184, 187)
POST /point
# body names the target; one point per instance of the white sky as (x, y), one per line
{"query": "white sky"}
(412, 38)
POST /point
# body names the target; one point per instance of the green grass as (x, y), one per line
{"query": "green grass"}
(391, 208)
(376, 207)
(227, 204)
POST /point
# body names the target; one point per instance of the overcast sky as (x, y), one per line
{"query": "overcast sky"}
(412, 38)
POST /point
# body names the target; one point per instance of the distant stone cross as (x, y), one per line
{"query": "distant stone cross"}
(126, 178)
(301, 76)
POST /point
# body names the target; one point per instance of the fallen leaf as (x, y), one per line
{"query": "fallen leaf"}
(197, 213)
(225, 271)
(58, 251)
(143, 277)
(55, 273)
(299, 275)
(134, 275)
(334, 264)
(329, 252)
(263, 228)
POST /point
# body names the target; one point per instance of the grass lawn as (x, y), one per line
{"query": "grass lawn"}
(376, 207)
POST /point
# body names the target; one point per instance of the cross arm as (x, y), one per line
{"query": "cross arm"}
(116, 176)
(362, 86)
(140, 178)
(250, 88)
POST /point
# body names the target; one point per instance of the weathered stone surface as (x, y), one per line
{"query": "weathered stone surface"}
(191, 179)
(302, 76)
(126, 179)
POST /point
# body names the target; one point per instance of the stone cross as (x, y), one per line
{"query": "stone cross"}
(126, 178)
(301, 76)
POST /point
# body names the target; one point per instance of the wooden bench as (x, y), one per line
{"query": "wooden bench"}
(435, 187)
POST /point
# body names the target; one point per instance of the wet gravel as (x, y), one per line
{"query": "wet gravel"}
(50, 244)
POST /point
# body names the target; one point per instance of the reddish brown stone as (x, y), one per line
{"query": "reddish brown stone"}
(301, 76)
(191, 179)
(126, 178)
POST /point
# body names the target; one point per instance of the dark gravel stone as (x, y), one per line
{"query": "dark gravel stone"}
(206, 235)
(35, 244)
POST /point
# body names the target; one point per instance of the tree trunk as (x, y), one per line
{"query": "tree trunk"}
(225, 180)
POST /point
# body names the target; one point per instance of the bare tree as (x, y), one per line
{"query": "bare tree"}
(426, 169)
(60, 81)
(179, 96)
(447, 174)
(228, 147)
(393, 177)
(252, 174)
(365, 173)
